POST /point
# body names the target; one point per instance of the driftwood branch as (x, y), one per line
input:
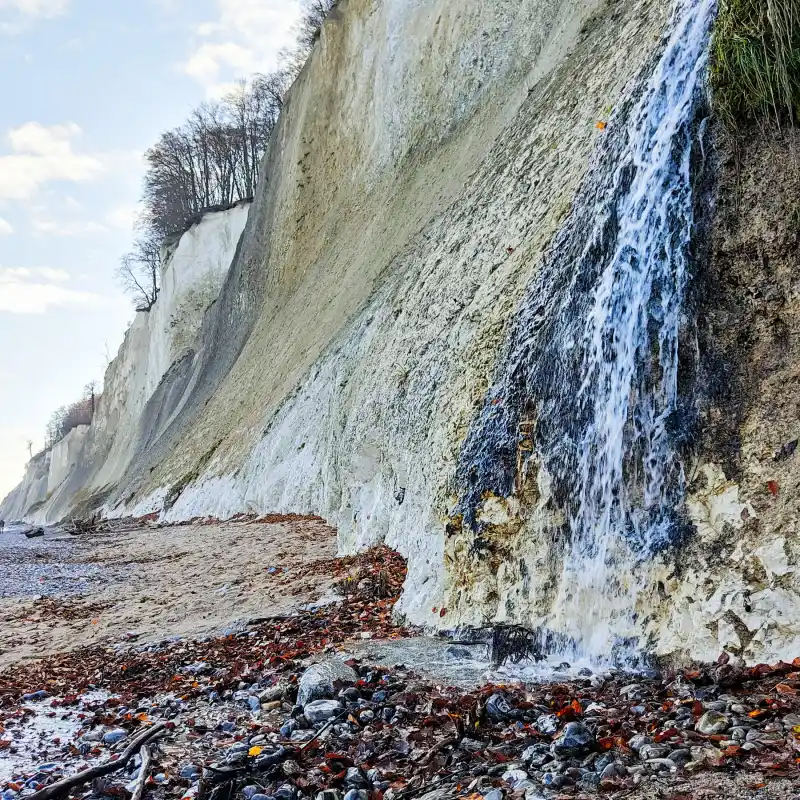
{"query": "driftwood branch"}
(331, 722)
(63, 786)
(144, 771)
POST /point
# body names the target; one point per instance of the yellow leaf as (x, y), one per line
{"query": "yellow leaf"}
(255, 751)
(601, 126)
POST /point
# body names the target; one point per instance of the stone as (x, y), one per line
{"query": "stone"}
(650, 751)
(291, 769)
(357, 794)
(288, 728)
(601, 763)
(266, 760)
(354, 778)
(639, 741)
(329, 794)
(515, 776)
(547, 724)
(712, 722)
(590, 782)
(286, 792)
(316, 683)
(273, 705)
(254, 703)
(117, 735)
(576, 739)
(680, 757)
(322, 710)
(494, 794)
(613, 770)
(456, 653)
(498, 709)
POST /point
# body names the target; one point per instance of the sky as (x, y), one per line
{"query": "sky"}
(88, 85)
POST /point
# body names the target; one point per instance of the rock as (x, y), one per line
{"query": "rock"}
(456, 653)
(273, 705)
(249, 792)
(590, 782)
(494, 794)
(288, 728)
(272, 693)
(33, 696)
(576, 739)
(355, 779)
(190, 770)
(317, 681)
(650, 751)
(366, 716)
(547, 724)
(237, 752)
(498, 709)
(254, 703)
(267, 760)
(357, 794)
(515, 776)
(329, 794)
(601, 763)
(712, 722)
(612, 771)
(117, 735)
(261, 797)
(286, 792)
(639, 741)
(680, 757)
(322, 710)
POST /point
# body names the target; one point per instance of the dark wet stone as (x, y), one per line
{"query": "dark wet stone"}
(575, 740)
(590, 782)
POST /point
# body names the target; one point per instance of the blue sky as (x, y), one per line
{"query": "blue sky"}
(88, 85)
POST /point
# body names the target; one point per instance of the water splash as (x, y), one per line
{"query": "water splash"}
(592, 364)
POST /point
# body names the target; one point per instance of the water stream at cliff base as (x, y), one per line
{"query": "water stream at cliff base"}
(593, 359)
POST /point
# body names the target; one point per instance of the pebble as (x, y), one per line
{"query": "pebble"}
(117, 735)
(547, 724)
(498, 709)
(515, 776)
(638, 741)
(712, 722)
(329, 794)
(357, 794)
(590, 782)
(321, 710)
(576, 739)
(355, 778)
(494, 794)
(254, 703)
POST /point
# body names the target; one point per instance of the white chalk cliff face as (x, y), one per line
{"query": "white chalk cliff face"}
(91, 460)
(457, 322)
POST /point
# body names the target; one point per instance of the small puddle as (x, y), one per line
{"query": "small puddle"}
(466, 666)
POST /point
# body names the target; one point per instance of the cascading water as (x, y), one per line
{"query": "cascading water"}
(593, 358)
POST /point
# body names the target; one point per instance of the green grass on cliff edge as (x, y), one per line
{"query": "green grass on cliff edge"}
(755, 60)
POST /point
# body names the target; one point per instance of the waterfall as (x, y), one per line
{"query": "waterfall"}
(592, 361)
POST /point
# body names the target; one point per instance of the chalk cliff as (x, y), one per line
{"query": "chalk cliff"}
(482, 309)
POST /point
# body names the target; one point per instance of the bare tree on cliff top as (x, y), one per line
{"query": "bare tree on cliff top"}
(139, 272)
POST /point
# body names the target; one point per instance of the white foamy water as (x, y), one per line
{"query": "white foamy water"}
(629, 386)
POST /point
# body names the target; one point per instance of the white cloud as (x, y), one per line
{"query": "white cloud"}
(6, 229)
(34, 290)
(53, 227)
(35, 8)
(41, 154)
(246, 37)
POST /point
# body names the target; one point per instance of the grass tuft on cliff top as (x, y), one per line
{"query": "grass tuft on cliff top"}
(755, 63)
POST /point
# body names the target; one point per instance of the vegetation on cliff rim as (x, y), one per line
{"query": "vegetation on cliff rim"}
(755, 64)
